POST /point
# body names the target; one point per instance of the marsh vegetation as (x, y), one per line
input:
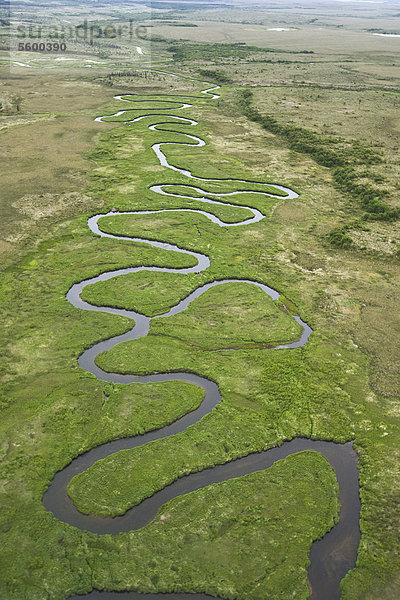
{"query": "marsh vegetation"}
(327, 130)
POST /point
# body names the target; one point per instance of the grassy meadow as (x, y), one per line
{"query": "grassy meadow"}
(232, 539)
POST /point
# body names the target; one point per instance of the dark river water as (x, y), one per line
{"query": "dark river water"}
(333, 556)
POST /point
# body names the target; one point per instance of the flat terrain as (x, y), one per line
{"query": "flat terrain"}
(295, 107)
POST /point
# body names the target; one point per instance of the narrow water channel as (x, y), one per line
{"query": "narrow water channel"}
(333, 556)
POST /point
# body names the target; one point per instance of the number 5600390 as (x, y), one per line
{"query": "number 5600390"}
(42, 47)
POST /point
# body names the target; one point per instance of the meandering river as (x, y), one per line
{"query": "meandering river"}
(333, 556)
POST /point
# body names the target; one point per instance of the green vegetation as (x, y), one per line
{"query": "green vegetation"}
(229, 547)
(344, 384)
(236, 542)
(214, 52)
(214, 75)
(343, 162)
(289, 395)
(340, 237)
(177, 24)
(145, 292)
(62, 411)
(234, 314)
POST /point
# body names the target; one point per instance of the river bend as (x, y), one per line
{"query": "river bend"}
(331, 557)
